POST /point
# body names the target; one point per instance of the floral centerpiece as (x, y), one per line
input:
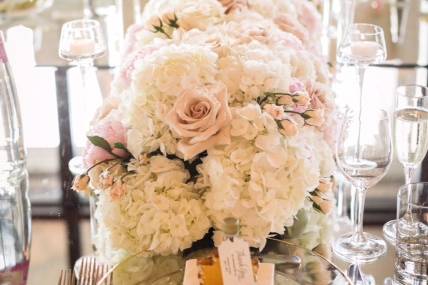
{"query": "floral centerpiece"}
(218, 109)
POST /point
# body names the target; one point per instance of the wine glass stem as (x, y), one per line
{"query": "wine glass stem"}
(408, 174)
(85, 67)
(361, 73)
(360, 196)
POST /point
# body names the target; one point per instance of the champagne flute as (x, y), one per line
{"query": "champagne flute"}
(411, 136)
(362, 45)
(364, 159)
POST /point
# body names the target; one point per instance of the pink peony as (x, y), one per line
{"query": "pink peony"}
(112, 131)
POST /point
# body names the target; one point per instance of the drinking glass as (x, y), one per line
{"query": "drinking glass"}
(81, 42)
(411, 262)
(411, 135)
(399, 11)
(362, 45)
(364, 159)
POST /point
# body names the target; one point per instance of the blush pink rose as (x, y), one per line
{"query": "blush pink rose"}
(112, 131)
(200, 118)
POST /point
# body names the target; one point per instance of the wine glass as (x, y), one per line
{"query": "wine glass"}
(364, 159)
(362, 45)
(411, 135)
(81, 42)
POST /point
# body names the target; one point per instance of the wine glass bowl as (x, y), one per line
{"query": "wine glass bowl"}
(364, 159)
(362, 45)
(411, 135)
(411, 125)
(366, 168)
(81, 40)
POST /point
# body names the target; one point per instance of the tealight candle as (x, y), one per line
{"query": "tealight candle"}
(364, 49)
(82, 47)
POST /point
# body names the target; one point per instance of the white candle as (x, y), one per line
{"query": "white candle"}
(365, 49)
(81, 47)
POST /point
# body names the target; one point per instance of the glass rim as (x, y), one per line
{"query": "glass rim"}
(400, 91)
(377, 30)
(80, 23)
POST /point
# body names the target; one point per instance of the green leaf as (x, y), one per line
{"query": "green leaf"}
(122, 147)
(100, 142)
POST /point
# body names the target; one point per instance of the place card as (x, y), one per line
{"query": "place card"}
(235, 262)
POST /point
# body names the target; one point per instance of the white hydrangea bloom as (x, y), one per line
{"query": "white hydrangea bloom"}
(173, 68)
(160, 213)
(259, 178)
(191, 14)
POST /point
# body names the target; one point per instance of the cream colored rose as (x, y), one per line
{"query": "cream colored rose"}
(200, 118)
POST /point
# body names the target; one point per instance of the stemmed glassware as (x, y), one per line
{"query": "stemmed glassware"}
(411, 135)
(81, 42)
(411, 260)
(362, 45)
(364, 159)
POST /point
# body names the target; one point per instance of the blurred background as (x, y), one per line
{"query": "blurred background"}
(52, 104)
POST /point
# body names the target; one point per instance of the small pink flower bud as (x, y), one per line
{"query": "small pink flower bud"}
(302, 99)
(314, 117)
(285, 100)
(325, 185)
(325, 205)
(153, 24)
(81, 184)
(288, 128)
(118, 190)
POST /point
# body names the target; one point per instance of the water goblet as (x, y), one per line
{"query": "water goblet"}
(81, 42)
(411, 135)
(364, 159)
(411, 262)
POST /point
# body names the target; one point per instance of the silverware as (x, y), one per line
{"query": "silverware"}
(66, 277)
(104, 275)
(87, 272)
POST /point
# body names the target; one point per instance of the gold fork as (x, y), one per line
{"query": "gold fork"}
(66, 277)
(87, 271)
(105, 276)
